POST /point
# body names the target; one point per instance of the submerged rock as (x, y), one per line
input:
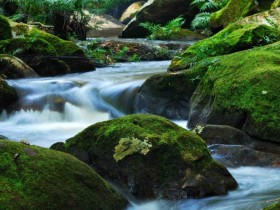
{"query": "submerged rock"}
(252, 31)
(241, 90)
(238, 155)
(34, 178)
(151, 157)
(14, 68)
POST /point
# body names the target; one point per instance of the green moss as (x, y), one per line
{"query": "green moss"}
(5, 28)
(235, 37)
(246, 82)
(162, 134)
(275, 4)
(27, 46)
(275, 206)
(149, 155)
(233, 11)
(37, 178)
(157, 130)
(62, 47)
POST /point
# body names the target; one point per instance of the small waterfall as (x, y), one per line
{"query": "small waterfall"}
(54, 109)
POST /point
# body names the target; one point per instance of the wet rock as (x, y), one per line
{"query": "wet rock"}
(14, 68)
(108, 26)
(159, 12)
(169, 94)
(131, 11)
(223, 134)
(54, 180)
(152, 158)
(238, 155)
(4, 137)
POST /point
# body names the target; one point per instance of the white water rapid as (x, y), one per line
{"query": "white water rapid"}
(54, 109)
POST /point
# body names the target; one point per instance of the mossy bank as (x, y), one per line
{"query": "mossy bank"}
(37, 178)
(241, 90)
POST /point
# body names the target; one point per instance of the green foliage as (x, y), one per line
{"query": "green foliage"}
(201, 21)
(206, 8)
(164, 32)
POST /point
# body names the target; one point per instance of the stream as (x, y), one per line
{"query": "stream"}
(56, 108)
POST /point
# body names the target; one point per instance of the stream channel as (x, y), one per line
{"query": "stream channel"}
(56, 108)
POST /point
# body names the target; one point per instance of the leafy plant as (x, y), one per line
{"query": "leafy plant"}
(164, 32)
(64, 14)
(206, 7)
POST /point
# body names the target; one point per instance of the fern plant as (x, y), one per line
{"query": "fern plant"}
(164, 32)
(206, 7)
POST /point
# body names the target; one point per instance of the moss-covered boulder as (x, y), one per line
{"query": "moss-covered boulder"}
(13, 68)
(275, 206)
(8, 95)
(275, 4)
(232, 12)
(38, 178)
(235, 37)
(259, 29)
(30, 43)
(169, 94)
(241, 90)
(151, 157)
(5, 28)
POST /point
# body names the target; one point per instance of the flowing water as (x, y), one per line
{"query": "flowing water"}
(54, 109)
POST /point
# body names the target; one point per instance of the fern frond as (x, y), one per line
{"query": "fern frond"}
(198, 3)
(201, 21)
(209, 6)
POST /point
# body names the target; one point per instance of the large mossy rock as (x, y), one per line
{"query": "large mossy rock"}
(8, 95)
(260, 29)
(38, 178)
(151, 157)
(169, 94)
(36, 48)
(14, 68)
(232, 12)
(159, 12)
(241, 90)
